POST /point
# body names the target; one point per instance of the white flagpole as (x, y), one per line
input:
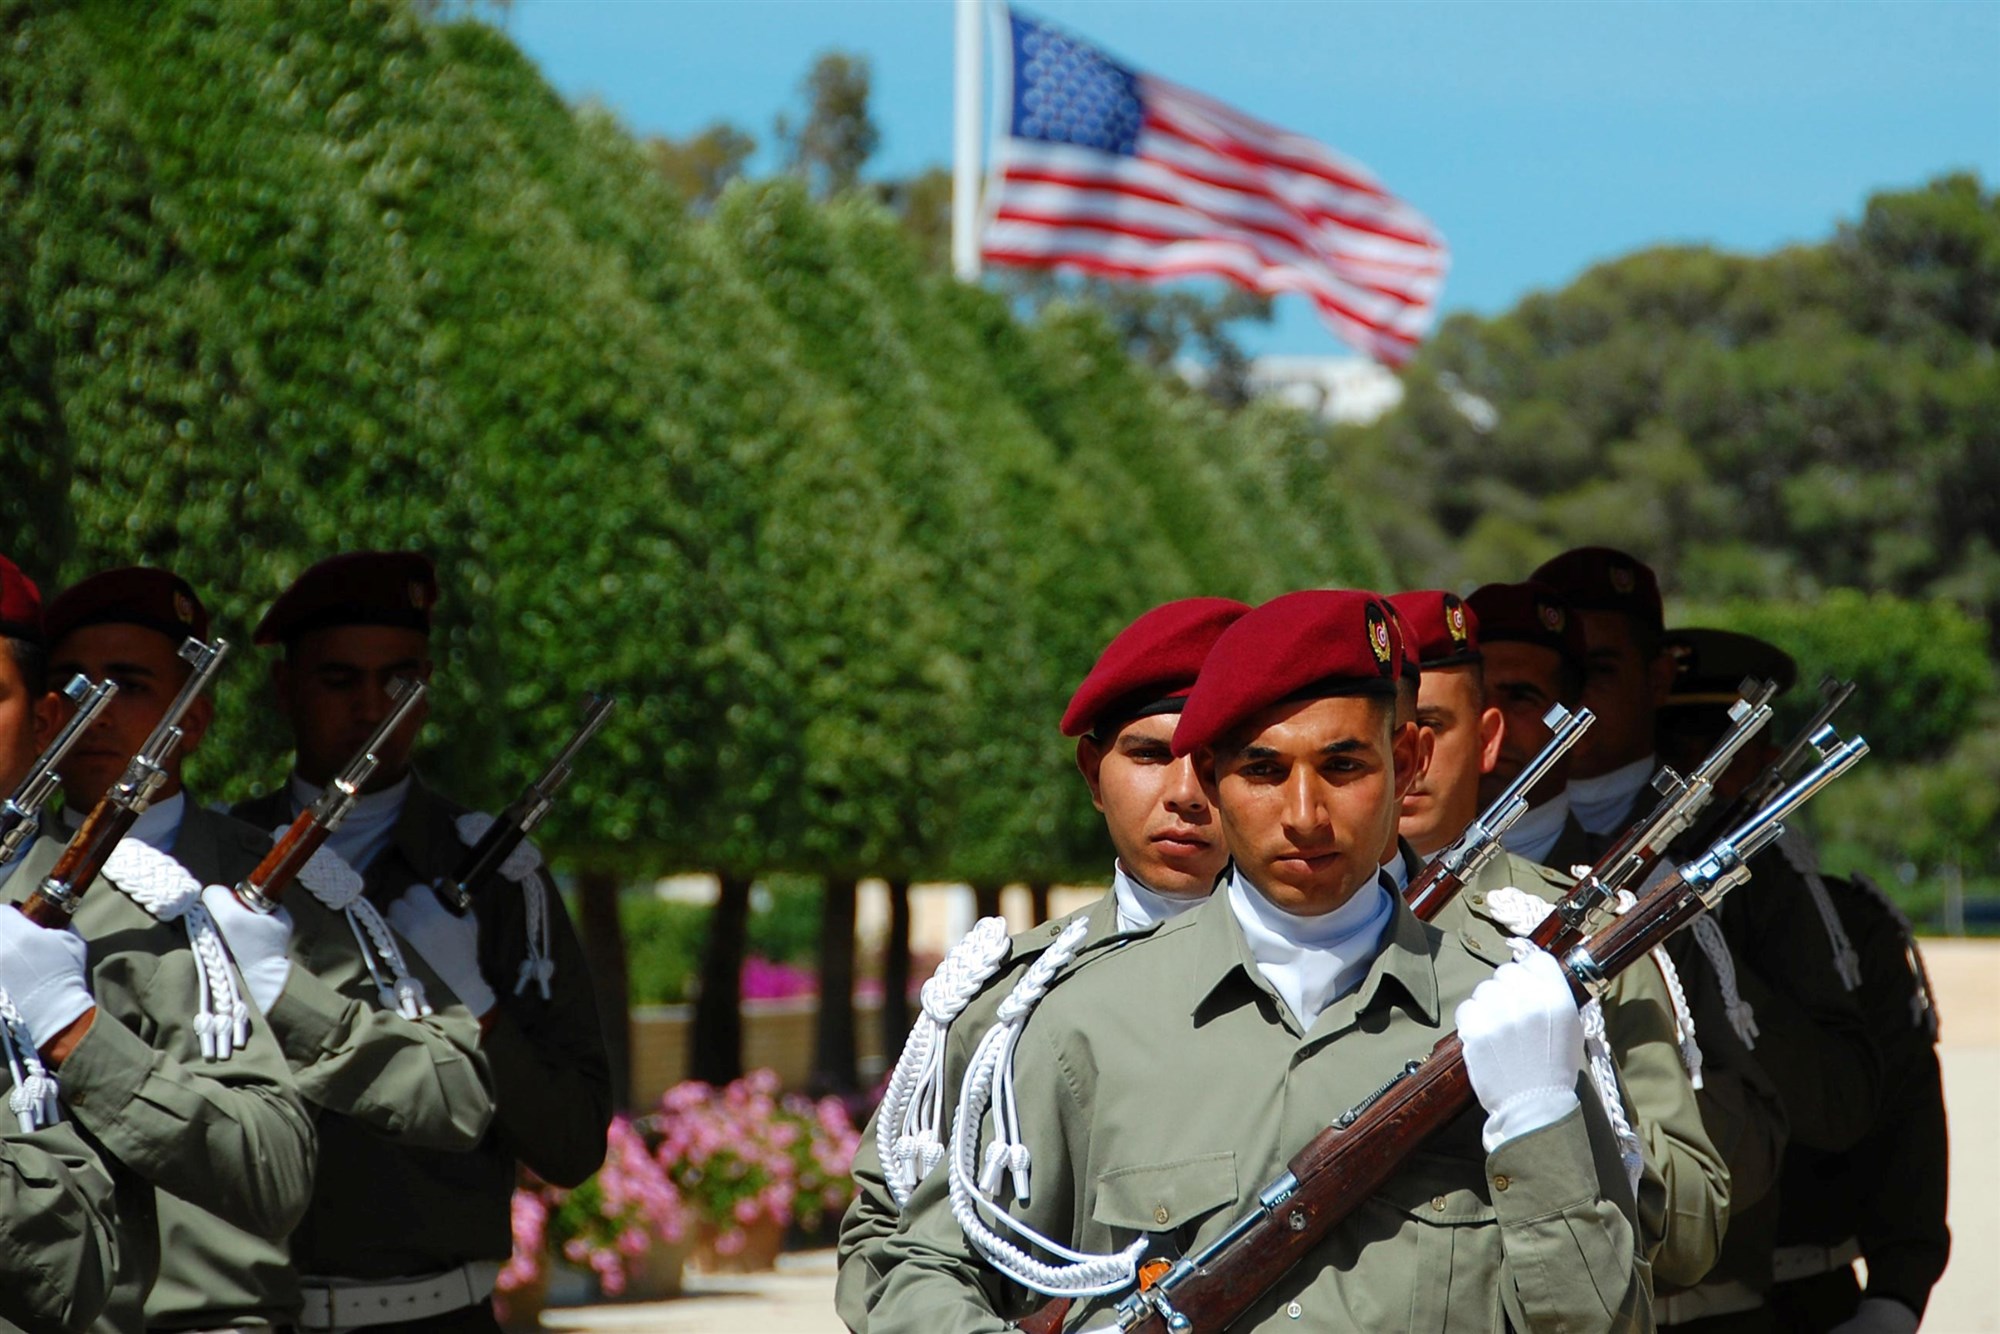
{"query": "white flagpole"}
(965, 146)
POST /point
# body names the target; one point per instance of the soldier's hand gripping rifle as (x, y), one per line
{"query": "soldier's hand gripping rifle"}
(1628, 862)
(482, 861)
(1354, 1157)
(21, 815)
(295, 847)
(1445, 874)
(1814, 736)
(55, 900)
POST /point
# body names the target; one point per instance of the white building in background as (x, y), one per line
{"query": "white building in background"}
(1351, 390)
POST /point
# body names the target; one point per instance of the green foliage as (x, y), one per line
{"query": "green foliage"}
(663, 937)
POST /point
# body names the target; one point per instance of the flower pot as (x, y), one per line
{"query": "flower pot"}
(656, 1275)
(762, 1240)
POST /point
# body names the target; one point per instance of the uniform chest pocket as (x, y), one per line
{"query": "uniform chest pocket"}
(1162, 1197)
(1440, 1191)
(1441, 1207)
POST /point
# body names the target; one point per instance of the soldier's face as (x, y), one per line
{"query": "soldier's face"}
(1465, 740)
(1622, 687)
(27, 722)
(1307, 796)
(1524, 681)
(149, 673)
(1159, 818)
(333, 687)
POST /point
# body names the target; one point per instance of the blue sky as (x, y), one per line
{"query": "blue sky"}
(1540, 137)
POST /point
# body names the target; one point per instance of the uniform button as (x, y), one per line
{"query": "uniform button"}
(1473, 942)
(1502, 1181)
(1160, 1214)
(1479, 900)
(1437, 1203)
(1295, 1310)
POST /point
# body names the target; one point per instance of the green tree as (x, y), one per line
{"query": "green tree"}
(835, 136)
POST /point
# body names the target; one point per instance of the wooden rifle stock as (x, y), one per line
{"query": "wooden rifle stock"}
(89, 848)
(1349, 1161)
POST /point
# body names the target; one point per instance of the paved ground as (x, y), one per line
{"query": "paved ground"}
(798, 1298)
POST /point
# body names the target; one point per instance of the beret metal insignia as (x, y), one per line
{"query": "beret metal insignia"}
(184, 607)
(1378, 635)
(1552, 616)
(416, 595)
(1621, 579)
(1454, 619)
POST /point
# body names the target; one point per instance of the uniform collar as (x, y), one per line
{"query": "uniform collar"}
(1404, 970)
(1400, 868)
(1141, 908)
(1601, 803)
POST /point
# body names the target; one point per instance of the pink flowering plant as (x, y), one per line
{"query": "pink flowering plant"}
(741, 1155)
(606, 1224)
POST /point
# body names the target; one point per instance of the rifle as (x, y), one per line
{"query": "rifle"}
(21, 815)
(260, 889)
(1766, 785)
(1445, 874)
(55, 900)
(1632, 858)
(482, 861)
(1361, 1150)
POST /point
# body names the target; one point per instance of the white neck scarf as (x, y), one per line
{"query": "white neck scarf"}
(158, 826)
(369, 827)
(1140, 907)
(1312, 961)
(1534, 835)
(1601, 803)
(1397, 872)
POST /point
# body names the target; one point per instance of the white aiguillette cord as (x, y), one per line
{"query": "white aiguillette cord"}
(990, 1079)
(339, 886)
(520, 867)
(909, 1127)
(33, 1097)
(164, 888)
(1521, 912)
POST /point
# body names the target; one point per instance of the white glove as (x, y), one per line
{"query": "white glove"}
(448, 942)
(260, 942)
(1523, 1045)
(42, 970)
(1879, 1315)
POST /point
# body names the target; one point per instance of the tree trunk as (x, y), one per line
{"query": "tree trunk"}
(604, 955)
(834, 1063)
(1038, 895)
(716, 1054)
(895, 1016)
(986, 900)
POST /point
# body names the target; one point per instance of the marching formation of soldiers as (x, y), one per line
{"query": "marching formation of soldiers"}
(1296, 1071)
(226, 1114)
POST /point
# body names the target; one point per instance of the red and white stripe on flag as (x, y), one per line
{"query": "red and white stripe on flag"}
(1113, 172)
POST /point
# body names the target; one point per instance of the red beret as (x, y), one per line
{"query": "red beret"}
(1603, 579)
(159, 600)
(20, 604)
(1150, 667)
(1443, 630)
(396, 588)
(1404, 636)
(1529, 613)
(1307, 645)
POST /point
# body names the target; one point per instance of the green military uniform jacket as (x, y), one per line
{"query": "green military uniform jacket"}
(1888, 1191)
(1162, 1087)
(58, 1231)
(421, 1082)
(1684, 1194)
(387, 1208)
(231, 1136)
(873, 1216)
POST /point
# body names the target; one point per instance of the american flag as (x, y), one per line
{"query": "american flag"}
(1114, 172)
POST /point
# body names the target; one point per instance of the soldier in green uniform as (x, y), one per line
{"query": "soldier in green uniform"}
(1762, 972)
(1883, 1200)
(1159, 1088)
(173, 1072)
(58, 1226)
(1683, 1192)
(402, 1236)
(1168, 855)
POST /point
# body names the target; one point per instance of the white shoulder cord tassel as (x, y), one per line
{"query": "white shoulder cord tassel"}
(910, 1125)
(1743, 1019)
(520, 867)
(163, 887)
(339, 886)
(33, 1097)
(1846, 959)
(1521, 912)
(1081, 1274)
(1684, 1035)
